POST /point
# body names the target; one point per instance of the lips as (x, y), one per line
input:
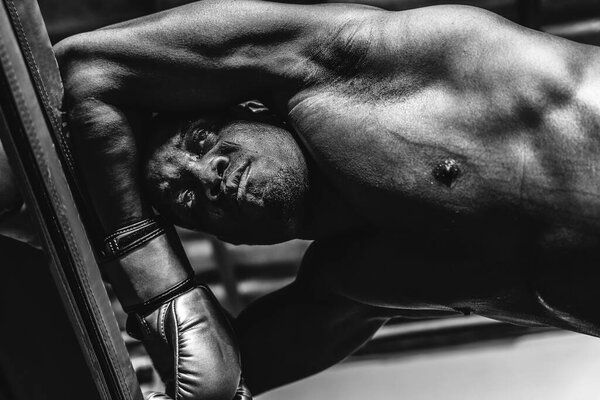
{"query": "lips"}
(241, 192)
(233, 182)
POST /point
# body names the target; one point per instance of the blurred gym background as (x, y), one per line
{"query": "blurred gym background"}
(455, 358)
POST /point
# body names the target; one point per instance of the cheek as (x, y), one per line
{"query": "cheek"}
(265, 169)
(263, 143)
(286, 153)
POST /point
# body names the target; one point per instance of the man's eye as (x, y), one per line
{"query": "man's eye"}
(187, 198)
(200, 138)
(201, 134)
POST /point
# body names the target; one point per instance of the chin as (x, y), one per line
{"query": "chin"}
(272, 209)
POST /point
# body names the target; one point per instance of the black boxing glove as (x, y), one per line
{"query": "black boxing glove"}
(191, 344)
(242, 393)
(182, 326)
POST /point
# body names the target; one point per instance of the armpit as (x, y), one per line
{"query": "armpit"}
(344, 48)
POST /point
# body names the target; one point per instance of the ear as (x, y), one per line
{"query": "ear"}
(254, 106)
(254, 110)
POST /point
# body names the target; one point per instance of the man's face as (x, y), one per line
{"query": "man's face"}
(244, 181)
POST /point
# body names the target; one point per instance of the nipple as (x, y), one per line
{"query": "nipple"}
(446, 172)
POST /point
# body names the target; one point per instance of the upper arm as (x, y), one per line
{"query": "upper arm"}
(436, 41)
(406, 50)
(479, 50)
(203, 55)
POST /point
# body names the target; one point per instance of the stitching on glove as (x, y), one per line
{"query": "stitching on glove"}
(128, 238)
(176, 326)
(149, 306)
(145, 325)
(162, 316)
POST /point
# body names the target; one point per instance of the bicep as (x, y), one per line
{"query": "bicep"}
(202, 55)
(425, 42)
(214, 53)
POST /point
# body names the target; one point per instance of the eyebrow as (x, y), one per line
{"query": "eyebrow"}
(184, 130)
(192, 126)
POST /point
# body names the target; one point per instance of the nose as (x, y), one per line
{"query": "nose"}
(210, 172)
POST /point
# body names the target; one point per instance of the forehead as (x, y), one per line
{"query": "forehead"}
(238, 132)
(255, 133)
(235, 127)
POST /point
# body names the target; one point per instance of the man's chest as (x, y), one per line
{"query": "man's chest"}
(394, 163)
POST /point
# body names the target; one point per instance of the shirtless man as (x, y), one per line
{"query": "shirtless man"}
(443, 159)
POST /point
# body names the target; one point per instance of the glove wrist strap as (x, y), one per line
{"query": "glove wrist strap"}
(152, 304)
(128, 238)
(146, 265)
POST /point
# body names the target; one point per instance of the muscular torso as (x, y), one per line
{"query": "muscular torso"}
(515, 112)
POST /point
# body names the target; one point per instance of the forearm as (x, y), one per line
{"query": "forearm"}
(106, 151)
(107, 155)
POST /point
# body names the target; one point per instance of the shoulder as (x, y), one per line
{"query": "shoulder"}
(476, 50)
(367, 40)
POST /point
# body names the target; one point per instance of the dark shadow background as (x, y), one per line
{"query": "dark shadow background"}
(40, 358)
